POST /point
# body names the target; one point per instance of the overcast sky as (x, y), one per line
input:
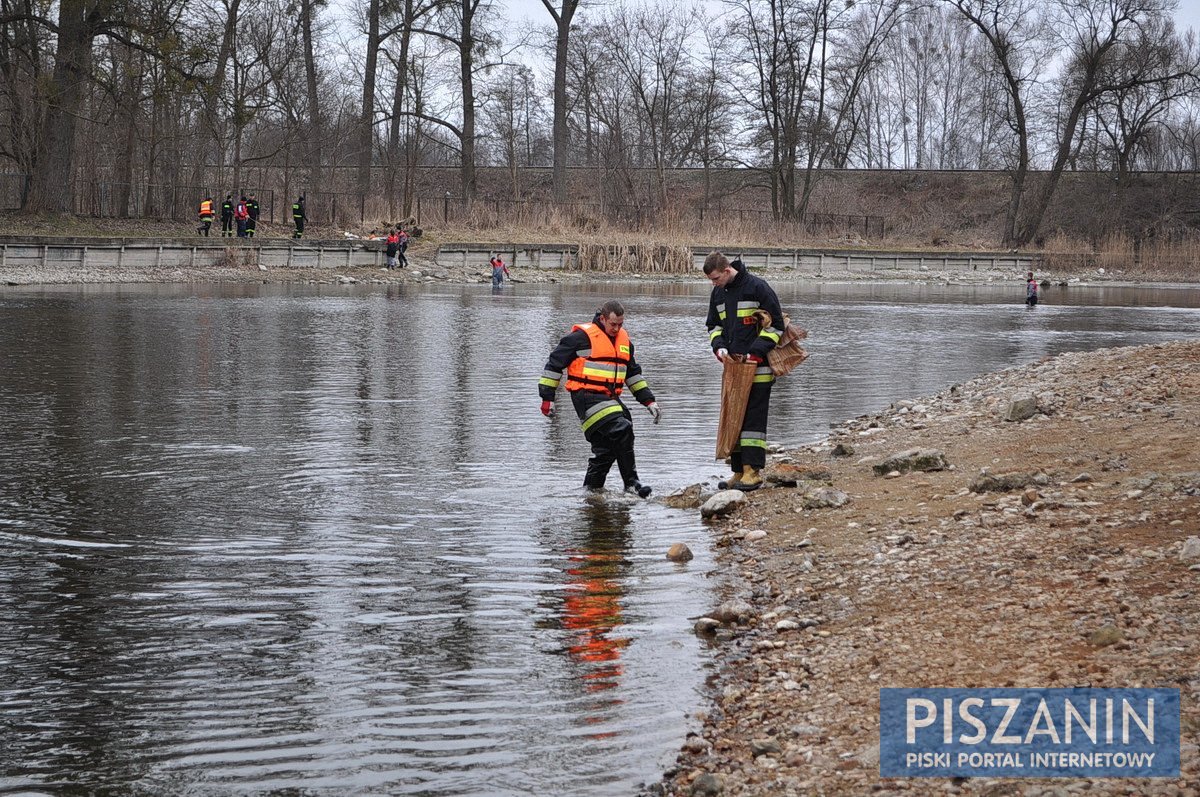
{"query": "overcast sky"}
(1188, 15)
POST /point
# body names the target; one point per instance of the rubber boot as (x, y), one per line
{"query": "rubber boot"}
(596, 474)
(639, 489)
(731, 483)
(751, 480)
(626, 463)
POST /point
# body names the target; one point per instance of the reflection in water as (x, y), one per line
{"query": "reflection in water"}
(591, 610)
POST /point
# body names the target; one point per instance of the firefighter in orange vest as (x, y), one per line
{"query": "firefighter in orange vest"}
(598, 360)
(206, 216)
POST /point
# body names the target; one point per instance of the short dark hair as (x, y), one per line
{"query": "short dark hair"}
(611, 307)
(715, 262)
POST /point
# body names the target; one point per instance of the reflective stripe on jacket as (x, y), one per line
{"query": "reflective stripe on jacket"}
(206, 209)
(603, 366)
(731, 322)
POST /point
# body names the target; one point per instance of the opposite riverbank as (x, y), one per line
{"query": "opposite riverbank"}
(65, 261)
(328, 255)
(1048, 552)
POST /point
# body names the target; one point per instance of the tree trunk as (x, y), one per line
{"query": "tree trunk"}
(213, 94)
(315, 154)
(562, 19)
(366, 133)
(53, 173)
(20, 60)
(466, 62)
(1036, 211)
(393, 147)
(127, 100)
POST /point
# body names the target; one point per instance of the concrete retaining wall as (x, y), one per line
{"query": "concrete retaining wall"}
(151, 253)
(147, 253)
(809, 261)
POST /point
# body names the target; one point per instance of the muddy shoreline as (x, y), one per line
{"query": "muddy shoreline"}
(1050, 551)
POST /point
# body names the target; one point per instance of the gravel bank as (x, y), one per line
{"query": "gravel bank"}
(1067, 566)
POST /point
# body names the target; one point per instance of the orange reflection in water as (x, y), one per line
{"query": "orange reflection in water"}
(592, 611)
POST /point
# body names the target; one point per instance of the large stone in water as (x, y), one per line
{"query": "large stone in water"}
(723, 503)
(733, 611)
(679, 553)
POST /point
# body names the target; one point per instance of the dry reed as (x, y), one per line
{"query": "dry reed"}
(1167, 259)
(635, 259)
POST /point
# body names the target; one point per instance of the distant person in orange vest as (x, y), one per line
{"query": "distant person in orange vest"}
(206, 216)
(594, 382)
(1031, 290)
(499, 271)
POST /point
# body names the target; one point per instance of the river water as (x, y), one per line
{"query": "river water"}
(319, 540)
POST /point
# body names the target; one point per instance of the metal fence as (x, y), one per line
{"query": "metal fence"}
(109, 199)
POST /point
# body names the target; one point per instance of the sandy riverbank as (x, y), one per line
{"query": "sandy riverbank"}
(1073, 573)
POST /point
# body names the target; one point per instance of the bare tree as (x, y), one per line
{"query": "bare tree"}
(314, 129)
(23, 44)
(1148, 75)
(859, 51)
(79, 22)
(1091, 31)
(649, 46)
(1014, 31)
(774, 42)
(562, 12)
(512, 109)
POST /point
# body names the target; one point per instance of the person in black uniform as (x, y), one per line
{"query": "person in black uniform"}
(227, 217)
(599, 361)
(298, 216)
(252, 221)
(734, 331)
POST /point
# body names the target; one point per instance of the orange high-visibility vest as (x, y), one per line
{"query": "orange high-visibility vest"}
(604, 368)
(206, 208)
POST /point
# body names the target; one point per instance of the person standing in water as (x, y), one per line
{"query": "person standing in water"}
(599, 363)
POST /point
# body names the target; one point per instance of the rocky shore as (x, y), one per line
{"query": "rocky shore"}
(423, 268)
(1035, 527)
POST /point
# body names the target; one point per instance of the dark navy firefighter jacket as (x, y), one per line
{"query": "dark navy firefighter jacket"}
(731, 323)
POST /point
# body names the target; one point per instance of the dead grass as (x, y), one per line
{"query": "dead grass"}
(637, 259)
(1171, 260)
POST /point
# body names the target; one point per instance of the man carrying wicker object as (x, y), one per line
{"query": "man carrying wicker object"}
(735, 310)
